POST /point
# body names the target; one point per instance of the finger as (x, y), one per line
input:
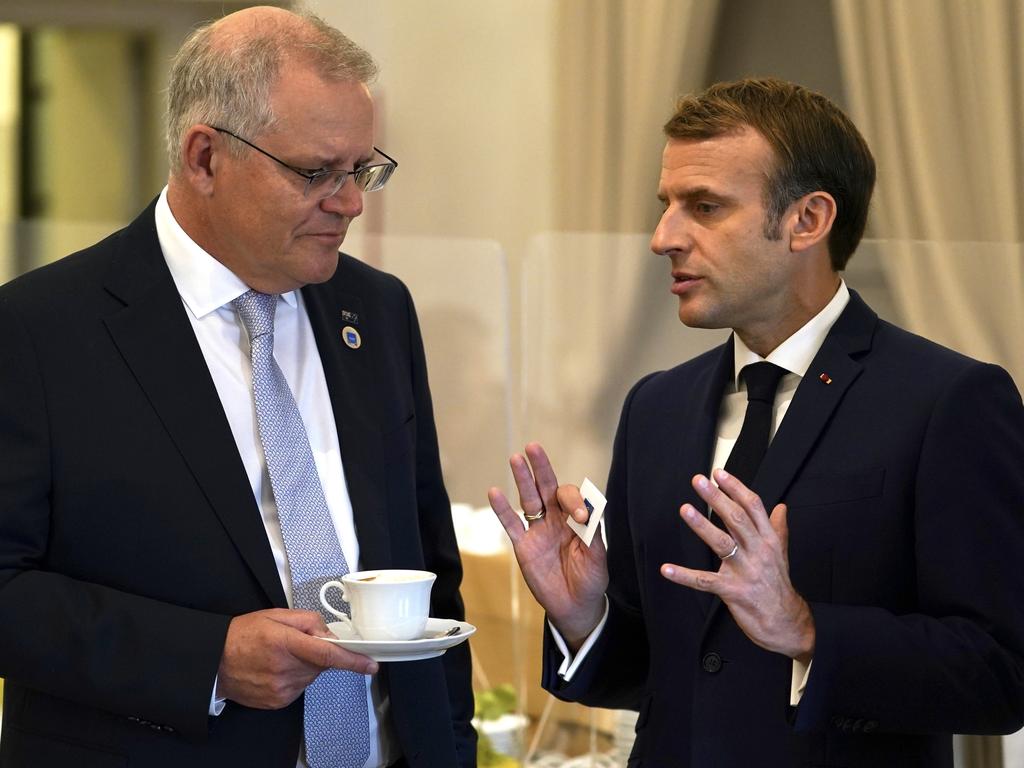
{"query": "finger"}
(721, 543)
(529, 495)
(749, 501)
(780, 524)
(736, 518)
(570, 500)
(547, 482)
(703, 581)
(310, 622)
(324, 655)
(507, 516)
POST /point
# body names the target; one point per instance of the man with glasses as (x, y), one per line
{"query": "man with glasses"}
(206, 416)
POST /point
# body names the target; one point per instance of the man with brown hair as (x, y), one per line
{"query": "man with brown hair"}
(847, 590)
(205, 417)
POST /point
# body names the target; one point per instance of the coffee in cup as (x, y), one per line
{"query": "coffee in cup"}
(387, 604)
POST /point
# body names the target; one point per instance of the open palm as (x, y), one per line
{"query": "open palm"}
(566, 577)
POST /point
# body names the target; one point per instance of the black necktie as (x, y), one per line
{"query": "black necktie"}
(762, 380)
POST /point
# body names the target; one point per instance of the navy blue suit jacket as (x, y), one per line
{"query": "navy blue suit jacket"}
(129, 535)
(904, 480)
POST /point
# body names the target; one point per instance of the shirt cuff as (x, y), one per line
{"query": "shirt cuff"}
(216, 705)
(798, 682)
(570, 663)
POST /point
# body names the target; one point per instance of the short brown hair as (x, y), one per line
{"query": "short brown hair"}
(816, 147)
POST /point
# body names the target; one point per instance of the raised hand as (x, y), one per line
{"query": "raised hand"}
(753, 580)
(566, 577)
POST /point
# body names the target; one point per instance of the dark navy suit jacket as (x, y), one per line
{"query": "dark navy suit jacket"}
(904, 480)
(129, 535)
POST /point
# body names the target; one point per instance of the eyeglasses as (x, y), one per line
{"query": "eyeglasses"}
(326, 183)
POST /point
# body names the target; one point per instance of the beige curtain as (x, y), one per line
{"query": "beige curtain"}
(584, 294)
(621, 66)
(937, 86)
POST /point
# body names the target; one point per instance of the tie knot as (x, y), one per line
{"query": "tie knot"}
(762, 380)
(257, 312)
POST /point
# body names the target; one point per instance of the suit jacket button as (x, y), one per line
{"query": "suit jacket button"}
(711, 663)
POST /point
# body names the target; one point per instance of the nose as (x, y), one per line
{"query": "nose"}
(671, 234)
(347, 201)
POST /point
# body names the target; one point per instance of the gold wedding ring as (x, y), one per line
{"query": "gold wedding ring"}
(532, 518)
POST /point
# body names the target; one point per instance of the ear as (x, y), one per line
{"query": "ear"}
(200, 150)
(811, 219)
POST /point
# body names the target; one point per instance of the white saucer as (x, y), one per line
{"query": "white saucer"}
(426, 647)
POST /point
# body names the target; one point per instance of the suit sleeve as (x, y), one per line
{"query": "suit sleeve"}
(66, 636)
(615, 670)
(956, 663)
(440, 549)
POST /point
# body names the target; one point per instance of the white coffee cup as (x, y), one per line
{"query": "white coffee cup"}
(387, 604)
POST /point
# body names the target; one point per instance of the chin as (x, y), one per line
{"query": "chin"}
(312, 263)
(324, 268)
(314, 277)
(689, 314)
(691, 317)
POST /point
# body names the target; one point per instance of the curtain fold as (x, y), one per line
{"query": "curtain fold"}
(586, 287)
(621, 66)
(937, 87)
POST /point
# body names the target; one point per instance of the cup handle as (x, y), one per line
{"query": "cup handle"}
(342, 616)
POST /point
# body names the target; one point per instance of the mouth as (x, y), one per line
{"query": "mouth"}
(682, 282)
(327, 237)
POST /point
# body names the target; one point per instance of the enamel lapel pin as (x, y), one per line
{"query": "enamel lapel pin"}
(349, 334)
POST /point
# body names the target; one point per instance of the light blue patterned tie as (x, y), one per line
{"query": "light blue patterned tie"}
(336, 718)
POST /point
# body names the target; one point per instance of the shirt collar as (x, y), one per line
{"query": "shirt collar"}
(205, 285)
(795, 353)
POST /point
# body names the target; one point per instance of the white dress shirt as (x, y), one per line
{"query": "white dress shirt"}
(207, 289)
(795, 355)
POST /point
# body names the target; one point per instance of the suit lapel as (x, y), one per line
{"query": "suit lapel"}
(815, 400)
(351, 382)
(707, 398)
(156, 340)
(703, 407)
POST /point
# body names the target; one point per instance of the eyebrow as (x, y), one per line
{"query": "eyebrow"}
(698, 192)
(332, 163)
(705, 191)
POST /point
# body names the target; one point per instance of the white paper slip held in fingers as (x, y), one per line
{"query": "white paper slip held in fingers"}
(594, 502)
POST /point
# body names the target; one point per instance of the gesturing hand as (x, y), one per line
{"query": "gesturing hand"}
(566, 577)
(271, 656)
(753, 580)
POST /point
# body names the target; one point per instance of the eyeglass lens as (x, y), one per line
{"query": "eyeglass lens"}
(369, 179)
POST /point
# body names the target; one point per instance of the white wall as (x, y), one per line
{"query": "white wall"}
(465, 103)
